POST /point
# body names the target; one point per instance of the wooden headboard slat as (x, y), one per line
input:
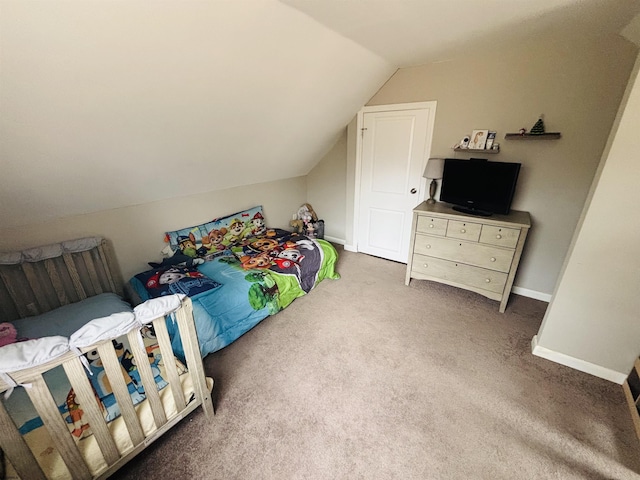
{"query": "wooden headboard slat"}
(91, 269)
(105, 262)
(36, 287)
(56, 281)
(15, 296)
(75, 278)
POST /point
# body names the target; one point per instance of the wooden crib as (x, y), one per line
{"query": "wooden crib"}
(34, 282)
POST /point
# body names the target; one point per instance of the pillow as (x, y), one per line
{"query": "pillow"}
(175, 279)
(212, 238)
(67, 319)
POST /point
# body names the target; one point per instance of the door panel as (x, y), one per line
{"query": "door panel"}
(395, 149)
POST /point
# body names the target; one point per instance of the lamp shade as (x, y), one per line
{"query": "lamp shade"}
(434, 168)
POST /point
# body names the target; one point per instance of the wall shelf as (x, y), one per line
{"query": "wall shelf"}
(533, 136)
(476, 150)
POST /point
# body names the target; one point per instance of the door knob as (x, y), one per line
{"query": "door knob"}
(413, 190)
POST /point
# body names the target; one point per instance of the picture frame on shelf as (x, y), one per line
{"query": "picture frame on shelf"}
(478, 139)
(491, 137)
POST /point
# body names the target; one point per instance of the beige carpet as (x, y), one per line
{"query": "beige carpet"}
(366, 378)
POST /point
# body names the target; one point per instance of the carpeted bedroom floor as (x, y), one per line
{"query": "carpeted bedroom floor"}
(366, 378)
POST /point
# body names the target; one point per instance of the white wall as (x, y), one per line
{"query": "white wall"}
(107, 104)
(576, 82)
(326, 190)
(592, 322)
(136, 233)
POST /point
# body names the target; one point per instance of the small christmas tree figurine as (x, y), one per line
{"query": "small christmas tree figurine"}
(538, 128)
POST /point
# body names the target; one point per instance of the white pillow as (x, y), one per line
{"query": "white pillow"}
(104, 328)
(158, 307)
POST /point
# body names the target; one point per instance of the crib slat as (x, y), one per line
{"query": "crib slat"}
(189, 337)
(91, 269)
(16, 449)
(89, 404)
(113, 370)
(36, 288)
(146, 375)
(46, 406)
(56, 282)
(73, 273)
(171, 370)
(22, 310)
(107, 270)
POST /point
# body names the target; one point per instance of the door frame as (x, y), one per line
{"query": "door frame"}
(431, 105)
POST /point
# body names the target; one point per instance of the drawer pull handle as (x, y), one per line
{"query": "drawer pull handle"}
(488, 280)
(431, 225)
(462, 230)
(493, 259)
(426, 265)
(498, 236)
(428, 246)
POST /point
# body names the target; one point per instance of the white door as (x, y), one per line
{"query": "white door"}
(395, 146)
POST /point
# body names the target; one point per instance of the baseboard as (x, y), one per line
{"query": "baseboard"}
(331, 239)
(576, 363)
(350, 248)
(525, 292)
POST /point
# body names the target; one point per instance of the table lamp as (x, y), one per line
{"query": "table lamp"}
(433, 170)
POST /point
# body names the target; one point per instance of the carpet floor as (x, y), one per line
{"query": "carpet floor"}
(366, 378)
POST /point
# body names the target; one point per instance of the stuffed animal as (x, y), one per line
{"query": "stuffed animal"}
(8, 334)
(305, 216)
(298, 225)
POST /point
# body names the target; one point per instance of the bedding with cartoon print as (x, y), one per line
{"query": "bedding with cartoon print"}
(255, 276)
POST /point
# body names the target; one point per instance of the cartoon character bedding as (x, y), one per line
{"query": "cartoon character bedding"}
(237, 272)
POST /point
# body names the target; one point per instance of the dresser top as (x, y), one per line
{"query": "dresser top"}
(441, 209)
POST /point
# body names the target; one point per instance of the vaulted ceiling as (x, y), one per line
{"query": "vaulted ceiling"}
(106, 104)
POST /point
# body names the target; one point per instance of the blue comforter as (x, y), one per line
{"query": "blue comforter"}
(234, 291)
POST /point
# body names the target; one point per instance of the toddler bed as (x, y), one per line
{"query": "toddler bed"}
(237, 272)
(65, 422)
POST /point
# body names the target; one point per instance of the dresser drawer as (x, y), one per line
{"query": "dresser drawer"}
(464, 230)
(501, 236)
(432, 225)
(477, 254)
(459, 273)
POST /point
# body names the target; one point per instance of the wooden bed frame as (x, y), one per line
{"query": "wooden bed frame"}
(33, 287)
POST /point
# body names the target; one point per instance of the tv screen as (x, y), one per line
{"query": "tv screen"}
(479, 187)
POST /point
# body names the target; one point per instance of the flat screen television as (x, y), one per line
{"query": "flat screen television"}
(478, 186)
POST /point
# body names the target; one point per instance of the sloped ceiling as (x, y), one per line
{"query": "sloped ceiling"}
(106, 104)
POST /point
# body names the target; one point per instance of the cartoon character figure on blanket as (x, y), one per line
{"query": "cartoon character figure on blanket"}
(176, 279)
(102, 385)
(129, 364)
(77, 425)
(212, 242)
(257, 225)
(235, 234)
(187, 245)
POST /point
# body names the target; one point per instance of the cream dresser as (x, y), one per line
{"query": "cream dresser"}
(480, 254)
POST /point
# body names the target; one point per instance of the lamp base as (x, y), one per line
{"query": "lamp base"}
(432, 192)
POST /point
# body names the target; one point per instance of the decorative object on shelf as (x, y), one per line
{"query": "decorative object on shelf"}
(464, 143)
(433, 170)
(538, 132)
(495, 147)
(538, 128)
(491, 136)
(478, 139)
